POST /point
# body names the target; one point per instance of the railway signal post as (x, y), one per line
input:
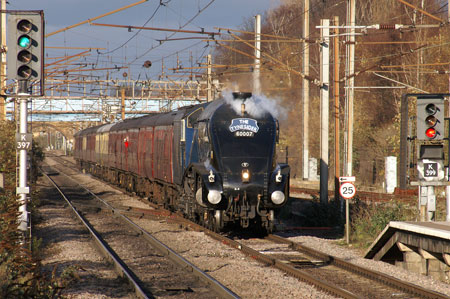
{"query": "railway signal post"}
(25, 65)
(432, 151)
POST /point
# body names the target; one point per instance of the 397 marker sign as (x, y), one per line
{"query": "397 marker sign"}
(23, 141)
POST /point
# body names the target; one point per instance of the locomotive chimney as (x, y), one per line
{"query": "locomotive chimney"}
(241, 95)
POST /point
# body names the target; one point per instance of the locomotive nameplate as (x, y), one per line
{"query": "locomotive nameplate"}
(244, 127)
(244, 134)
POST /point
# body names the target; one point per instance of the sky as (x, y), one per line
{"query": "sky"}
(122, 47)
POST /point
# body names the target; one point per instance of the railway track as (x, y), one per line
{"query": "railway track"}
(326, 272)
(134, 253)
(355, 279)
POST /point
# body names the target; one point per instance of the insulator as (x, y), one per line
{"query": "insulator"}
(387, 27)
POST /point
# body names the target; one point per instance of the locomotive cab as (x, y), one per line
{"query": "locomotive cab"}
(241, 181)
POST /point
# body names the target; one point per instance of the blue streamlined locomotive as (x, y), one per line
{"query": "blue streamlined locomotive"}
(215, 162)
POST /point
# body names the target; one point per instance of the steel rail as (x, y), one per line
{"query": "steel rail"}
(106, 251)
(340, 263)
(371, 274)
(215, 285)
(278, 264)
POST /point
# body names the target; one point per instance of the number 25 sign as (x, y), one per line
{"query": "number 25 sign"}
(347, 190)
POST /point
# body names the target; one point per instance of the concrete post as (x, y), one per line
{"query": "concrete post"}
(324, 107)
(305, 92)
(256, 71)
(23, 189)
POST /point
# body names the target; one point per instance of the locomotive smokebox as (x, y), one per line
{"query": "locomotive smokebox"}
(241, 95)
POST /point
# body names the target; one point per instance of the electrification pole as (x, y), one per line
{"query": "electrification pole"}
(350, 81)
(337, 169)
(305, 91)
(256, 71)
(3, 61)
(122, 98)
(209, 96)
(324, 107)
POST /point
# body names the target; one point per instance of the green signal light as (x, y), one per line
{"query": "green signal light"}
(24, 41)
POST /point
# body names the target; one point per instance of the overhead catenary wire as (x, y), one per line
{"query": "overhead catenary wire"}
(205, 48)
(95, 18)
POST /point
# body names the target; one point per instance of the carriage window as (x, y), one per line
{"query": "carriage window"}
(183, 130)
(203, 132)
(204, 147)
(193, 117)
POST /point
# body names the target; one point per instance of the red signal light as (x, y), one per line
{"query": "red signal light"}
(431, 133)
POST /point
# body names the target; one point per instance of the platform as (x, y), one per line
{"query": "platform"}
(422, 247)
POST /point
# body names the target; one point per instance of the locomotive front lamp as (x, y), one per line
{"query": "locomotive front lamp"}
(214, 197)
(245, 175)
(278, 197)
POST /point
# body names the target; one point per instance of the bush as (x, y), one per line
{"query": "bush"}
(369, 220)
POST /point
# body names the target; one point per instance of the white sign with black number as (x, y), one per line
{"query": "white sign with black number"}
(347, 190)
(431, 170)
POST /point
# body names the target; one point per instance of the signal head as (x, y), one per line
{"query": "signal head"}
(431, 109)
(431, 133)
(24, 26)
(25, 42)
(24, 72)
(431, 121)
(24, 56)
(430, 118)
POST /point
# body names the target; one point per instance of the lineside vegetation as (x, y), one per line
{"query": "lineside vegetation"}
(20, 275)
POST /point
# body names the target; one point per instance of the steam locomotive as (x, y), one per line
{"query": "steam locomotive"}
(214, 162)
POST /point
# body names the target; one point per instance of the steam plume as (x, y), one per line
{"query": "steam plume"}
(257, 105)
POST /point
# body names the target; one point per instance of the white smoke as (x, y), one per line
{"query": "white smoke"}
(207, 164)
(257, 105)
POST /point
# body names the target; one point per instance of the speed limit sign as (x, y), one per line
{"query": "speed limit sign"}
(347, 190)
